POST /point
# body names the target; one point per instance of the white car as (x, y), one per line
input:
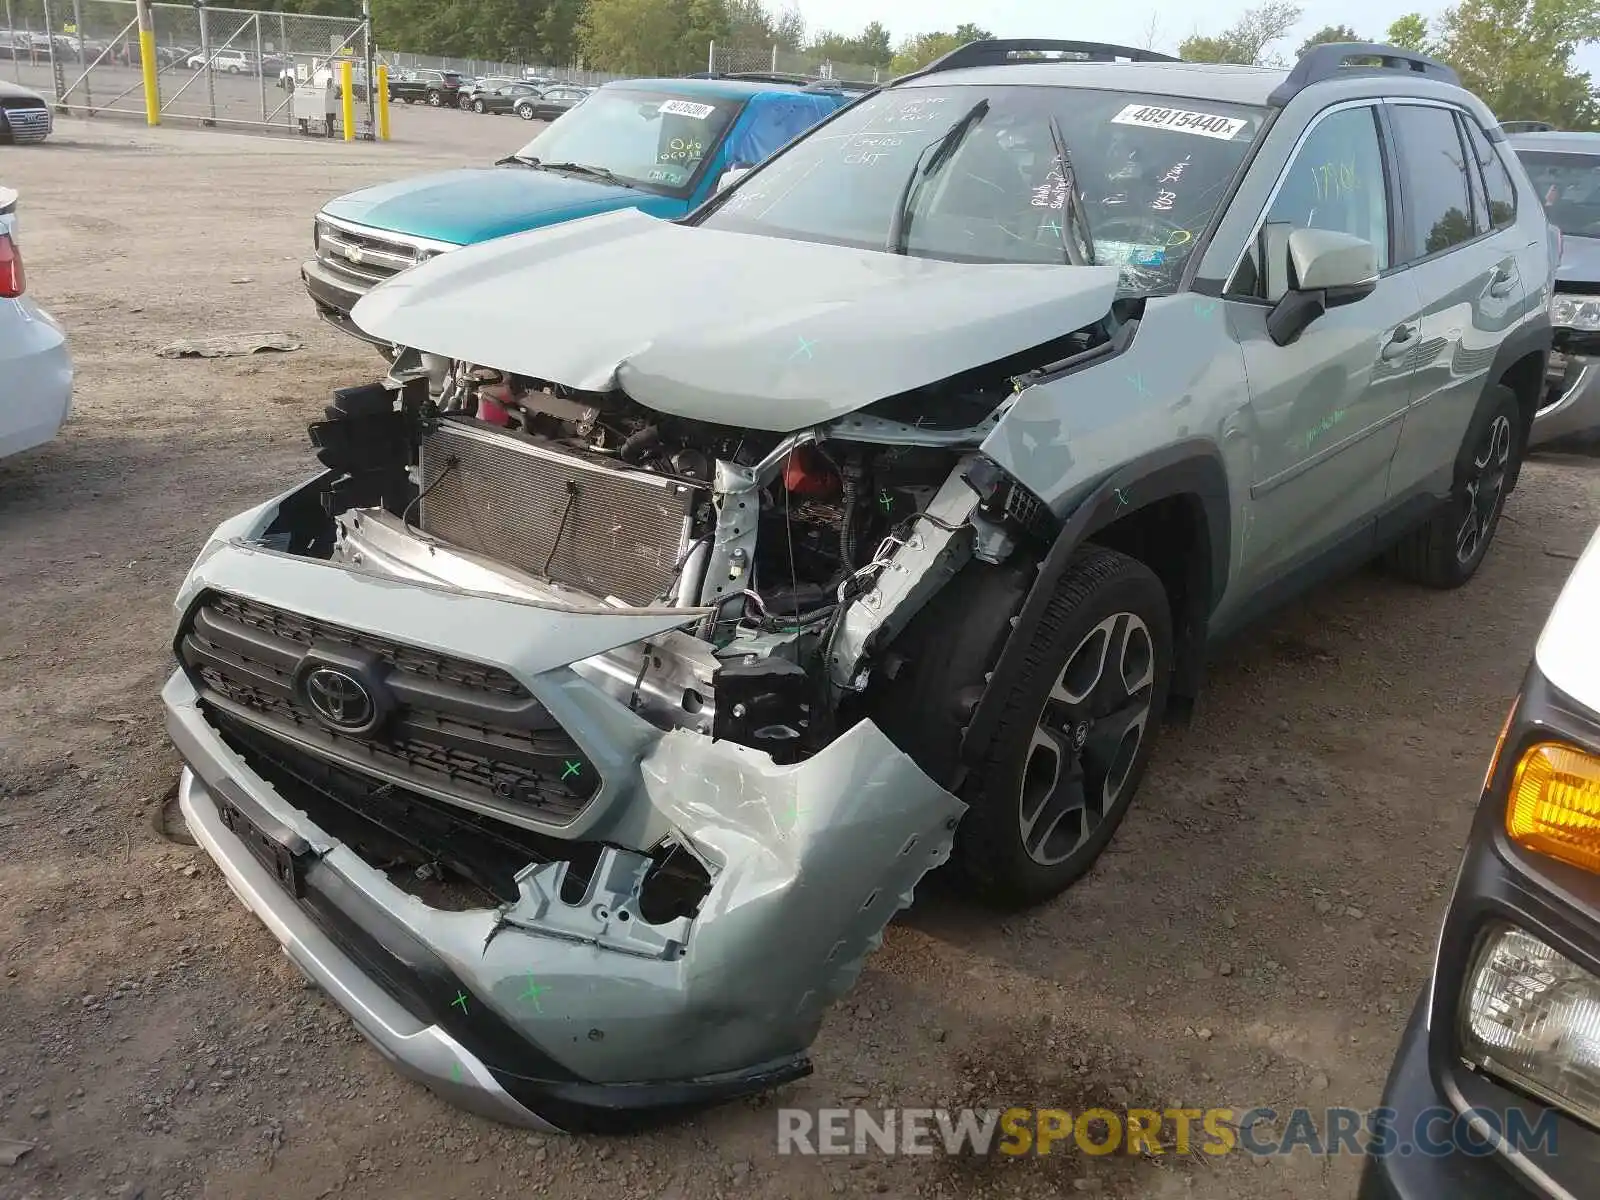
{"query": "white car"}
(33, 351)
(234, 62)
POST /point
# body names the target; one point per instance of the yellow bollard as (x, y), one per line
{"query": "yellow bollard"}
(383, 103)
(147, 62)
(347, 97)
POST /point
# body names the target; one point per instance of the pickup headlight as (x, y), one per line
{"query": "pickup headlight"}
(1575, 312)
(1532, 1018)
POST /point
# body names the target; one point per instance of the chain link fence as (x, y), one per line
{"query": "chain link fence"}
(219, 66)
(481, 68)
(727, 60)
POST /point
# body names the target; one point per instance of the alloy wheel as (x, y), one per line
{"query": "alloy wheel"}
(1087, 738)
(1484, 490)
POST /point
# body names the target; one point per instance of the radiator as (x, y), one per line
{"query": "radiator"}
(509, 497)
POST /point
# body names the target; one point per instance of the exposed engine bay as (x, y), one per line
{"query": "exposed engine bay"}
(798, 553)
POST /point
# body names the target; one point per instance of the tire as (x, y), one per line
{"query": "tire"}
(434, 98)
(478, 107)
(1048, 791)
(525, 112)
(1447, 551)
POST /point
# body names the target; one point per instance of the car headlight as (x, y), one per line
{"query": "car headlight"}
(1575, 312)
(316, 236)
(1532, 1018)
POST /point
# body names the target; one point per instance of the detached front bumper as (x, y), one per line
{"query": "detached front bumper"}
(554, 1011)
(34, 363)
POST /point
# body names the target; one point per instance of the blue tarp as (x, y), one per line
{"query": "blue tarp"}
(773, 119)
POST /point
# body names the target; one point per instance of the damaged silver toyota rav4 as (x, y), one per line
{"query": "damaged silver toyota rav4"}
(583, 725)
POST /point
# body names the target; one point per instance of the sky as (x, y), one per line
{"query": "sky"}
(1125, 23)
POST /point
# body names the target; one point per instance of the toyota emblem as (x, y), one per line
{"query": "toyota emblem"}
(340, 699)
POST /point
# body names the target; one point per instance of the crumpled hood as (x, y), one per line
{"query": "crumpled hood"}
(1580, 260)
(731, 328)
(478, 203)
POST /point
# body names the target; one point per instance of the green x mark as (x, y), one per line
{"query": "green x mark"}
(532, 992)
(886, 501)
(455, 1072)
(460, 1000)
(572, 769)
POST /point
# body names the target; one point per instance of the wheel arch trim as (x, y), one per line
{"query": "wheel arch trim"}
(1192, 468)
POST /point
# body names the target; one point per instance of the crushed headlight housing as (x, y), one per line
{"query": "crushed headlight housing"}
(1531, 1016)
(1575, 312)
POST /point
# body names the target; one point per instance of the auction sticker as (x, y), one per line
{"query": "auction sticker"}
(1180, 120)
(687, 108)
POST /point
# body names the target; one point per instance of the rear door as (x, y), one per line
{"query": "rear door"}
(1462, 249)
(1325, 411)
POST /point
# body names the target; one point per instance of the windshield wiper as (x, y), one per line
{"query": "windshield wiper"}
(1076, 256)
(521, 160)
(581, 169)
(937, 154)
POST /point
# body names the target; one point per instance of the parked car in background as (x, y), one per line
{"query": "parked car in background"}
(231, 62)
(35, 369)
(659, 145)
(1565, 169)
(436, 88)
(549, 103)
(1499, 1060)
(24, 114)
(472, 88)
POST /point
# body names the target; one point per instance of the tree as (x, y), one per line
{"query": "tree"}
(870, 48)
(917, 52)
(645, 36)
(1517, 55)
(1409, 32)
(1329, 33)
(789, 28)
(968, 32)
(1247, 39)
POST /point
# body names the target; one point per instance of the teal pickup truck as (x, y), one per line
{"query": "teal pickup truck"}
(658, 145)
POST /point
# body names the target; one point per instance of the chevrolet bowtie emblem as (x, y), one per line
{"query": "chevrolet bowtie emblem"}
(353, 253)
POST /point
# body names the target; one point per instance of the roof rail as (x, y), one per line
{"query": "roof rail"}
(1332, 59)
(1527, 127)
(998, 52)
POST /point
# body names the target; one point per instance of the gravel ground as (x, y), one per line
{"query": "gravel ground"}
(1255, 935)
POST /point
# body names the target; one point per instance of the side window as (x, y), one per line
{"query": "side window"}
(1335, 182)
(1434, 167)
(1496, 179)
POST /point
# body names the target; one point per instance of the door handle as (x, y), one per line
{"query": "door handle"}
(1502, 283)
(1399, 343)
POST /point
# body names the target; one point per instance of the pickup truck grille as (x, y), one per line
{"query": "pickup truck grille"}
(27, 117)
(458, 730)
(360, 259)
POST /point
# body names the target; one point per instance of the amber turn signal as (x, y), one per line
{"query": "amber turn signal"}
(1554, 805)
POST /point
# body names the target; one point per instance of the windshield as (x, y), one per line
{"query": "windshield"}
(653, 140)
(1569, 185)
(1006, 175)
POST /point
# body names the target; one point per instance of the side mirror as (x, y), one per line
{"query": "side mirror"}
(732, 176)
(1326, 269)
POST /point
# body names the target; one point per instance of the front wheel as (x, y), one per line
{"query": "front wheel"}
(434, 98)
(1077, 720)
(1447, 551)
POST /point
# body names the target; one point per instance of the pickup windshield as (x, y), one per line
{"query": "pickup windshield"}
(1569, 185)
(652, 140)
(1006, 174)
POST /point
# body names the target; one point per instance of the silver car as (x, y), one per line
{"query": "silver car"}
(879, 520)
(24, 115)
(1565, 169)
(35, 370)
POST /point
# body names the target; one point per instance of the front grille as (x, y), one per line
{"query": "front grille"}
(363, 260)
(459, 730)
(605, 529)
(28, 118)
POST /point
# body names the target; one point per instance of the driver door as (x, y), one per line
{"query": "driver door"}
(1319, 434)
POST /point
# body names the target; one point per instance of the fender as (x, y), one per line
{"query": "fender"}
(1191, 467)
(1535, 336)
